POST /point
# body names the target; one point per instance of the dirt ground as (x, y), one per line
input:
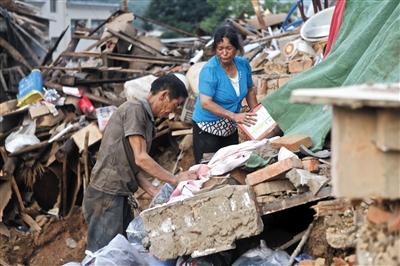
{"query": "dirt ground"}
(49, 247)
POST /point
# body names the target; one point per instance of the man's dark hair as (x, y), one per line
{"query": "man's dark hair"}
(231, 34)
(176, 88)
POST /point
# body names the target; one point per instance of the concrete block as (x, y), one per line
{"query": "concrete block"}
(207, 223)
(273, 171)
(292, 142)
(300, 177)
(359, 167)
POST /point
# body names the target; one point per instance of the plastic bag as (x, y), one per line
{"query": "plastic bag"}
(103, 115)
(138, 88)
(135, 231)
(150, 259)
(263, 256)
(119, 252)
(24, 136)
(162, 196)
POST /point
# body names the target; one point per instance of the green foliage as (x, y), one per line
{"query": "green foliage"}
(182, 14)
(223, 9)
(191, 15)
(276, 6)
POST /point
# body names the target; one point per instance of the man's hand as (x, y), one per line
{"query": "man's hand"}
(187, 175)
(146, 185)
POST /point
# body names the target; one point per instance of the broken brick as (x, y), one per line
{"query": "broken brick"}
(273, 171)
(299, 65)
(378, 216)
(394, 223)
(292, 142)
(306, 263)
(310, 164)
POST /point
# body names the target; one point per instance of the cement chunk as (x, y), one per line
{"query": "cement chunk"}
(204, 224)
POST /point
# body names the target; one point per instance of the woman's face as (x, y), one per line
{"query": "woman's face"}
(225, 51)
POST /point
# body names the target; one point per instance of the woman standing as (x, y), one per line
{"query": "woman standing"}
(223, 83)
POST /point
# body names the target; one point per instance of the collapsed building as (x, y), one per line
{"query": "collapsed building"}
(56, 136)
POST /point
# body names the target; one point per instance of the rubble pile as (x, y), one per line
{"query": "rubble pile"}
(53, 114)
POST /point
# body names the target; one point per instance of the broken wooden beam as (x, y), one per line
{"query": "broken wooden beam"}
(182, 132)
(136, 42)
(293, 201)
(128, 58)
(14, 53)
(49, 54)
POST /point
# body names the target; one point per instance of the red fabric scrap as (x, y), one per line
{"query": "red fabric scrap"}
(336, 22)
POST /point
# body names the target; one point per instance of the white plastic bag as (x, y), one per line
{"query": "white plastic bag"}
(263, 256)
(119, 252)
(24, 136)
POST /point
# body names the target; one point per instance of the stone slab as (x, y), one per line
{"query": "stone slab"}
(207, 223)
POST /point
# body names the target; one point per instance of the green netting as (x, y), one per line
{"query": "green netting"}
(367, 50)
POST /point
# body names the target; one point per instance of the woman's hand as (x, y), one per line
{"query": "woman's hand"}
(247, 119)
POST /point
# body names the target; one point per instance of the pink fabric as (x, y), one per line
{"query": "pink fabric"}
(223, 161)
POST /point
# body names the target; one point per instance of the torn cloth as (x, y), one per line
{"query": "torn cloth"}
(223, 161)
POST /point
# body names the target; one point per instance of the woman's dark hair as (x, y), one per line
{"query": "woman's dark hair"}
(176, 88)
(231, 34)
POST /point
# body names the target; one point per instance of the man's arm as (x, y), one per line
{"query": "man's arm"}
(146, 163)
(146, 185)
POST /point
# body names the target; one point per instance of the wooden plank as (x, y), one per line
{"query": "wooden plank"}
(136, 42)
(101, 69)
(105, 22)
(85, 37)
(359, 168)
(3, 83)
(94, 136)
(388, 130)
(241, 29)
(31, 222)
(34, 40)
(5, 196)
(26, 46)
(129, 58)
(49, 54)
(366, 95)
(14, 53)
(182, 132)
(294, 201)
(102, 40)
(259, 13)
(273, 171)
(25, 19)
(292, 142)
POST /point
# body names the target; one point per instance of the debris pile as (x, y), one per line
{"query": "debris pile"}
(53, 113)
(370, 225)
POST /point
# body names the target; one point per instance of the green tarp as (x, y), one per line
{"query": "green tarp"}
(366, 50)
